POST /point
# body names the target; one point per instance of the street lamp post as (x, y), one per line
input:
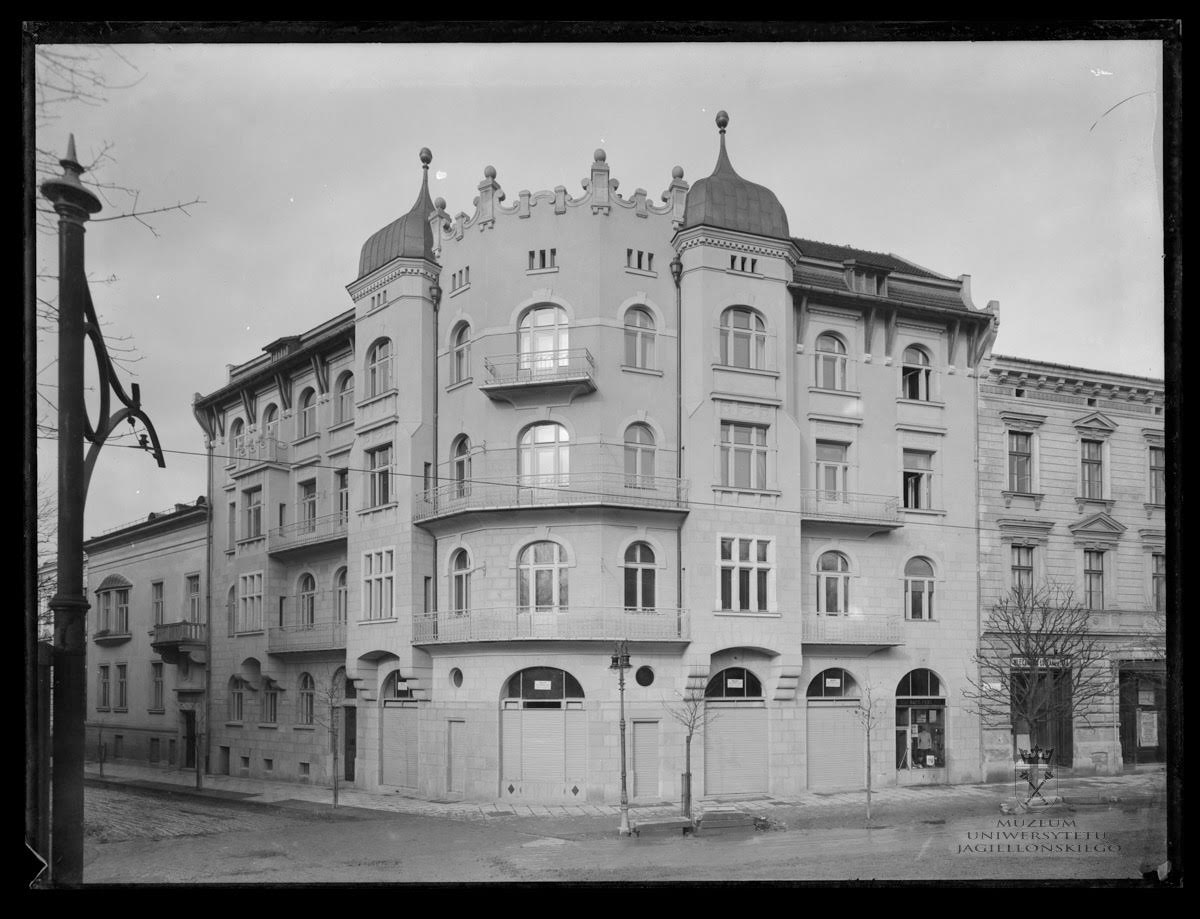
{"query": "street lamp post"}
(620, 663)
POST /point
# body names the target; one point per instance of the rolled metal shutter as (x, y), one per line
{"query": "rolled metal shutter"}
(645, 759)
(735, 749)
(575, 725)
(510, 747)
(400, 746)
(456, 758)
(836, 747)
(543, 745)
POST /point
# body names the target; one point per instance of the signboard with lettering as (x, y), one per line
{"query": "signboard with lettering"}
(1148, 729)
(733, 683)
(541, 685)
(833, 682)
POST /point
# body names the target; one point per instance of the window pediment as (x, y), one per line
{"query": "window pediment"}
(1022, 421)
(1024, 529)
(1098, 528)
(1095, 424)
(114, 581)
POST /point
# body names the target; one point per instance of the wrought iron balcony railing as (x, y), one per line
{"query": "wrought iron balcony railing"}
(851, 630)
(540, 368)
(315, 636)
(563, 623)
(850, 507)
(308, 531)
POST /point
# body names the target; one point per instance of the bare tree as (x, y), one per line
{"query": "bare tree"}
(1039, 663)
(330, 697)
(870, 712)
(689, 710)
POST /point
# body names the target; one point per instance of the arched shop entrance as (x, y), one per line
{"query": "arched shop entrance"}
(398, 732)
(735, 734)
(920, 727)
(543, 736)
(836, 746)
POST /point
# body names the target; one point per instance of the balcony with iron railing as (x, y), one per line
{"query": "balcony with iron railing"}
(171, 640)
(876, 630)
(309, 623)
(587, 474)
(307, 531)
(586, 623)
(250, 453)
(573, 368)
(879, 512)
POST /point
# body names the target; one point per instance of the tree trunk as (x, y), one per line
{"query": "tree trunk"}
(687, 770)
(868, 774)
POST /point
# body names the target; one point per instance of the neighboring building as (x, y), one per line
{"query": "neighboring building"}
(146, 637)
(1072, 492)
(563, 422)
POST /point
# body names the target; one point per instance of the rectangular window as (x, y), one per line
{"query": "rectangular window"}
(1158, 475)
(743, 455)
(270, 708)
(193, 598)
(342, 482)
(156, 686)
(122, 686)
(106, 605)
(252, 513)
(232, 526)
(306, 513)
(831, 471)
(121, 623)
(1022, 569)
(918, 479)
(1020, 462)
(379, 476)
(102, 698)
(157, 606)
(1159, 581)
(250, 603)
(1093, 579)
(377, 584)
(745, 574)
(1092, 468)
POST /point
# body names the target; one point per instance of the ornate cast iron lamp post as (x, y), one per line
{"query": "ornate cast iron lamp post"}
(620, 663)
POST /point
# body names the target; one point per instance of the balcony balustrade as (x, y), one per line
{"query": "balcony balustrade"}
(307, 531)
(252, 452)
(309, 623)
(563, 624)
(882, 631)
(879, 511)
(586, 474)
(573, 367)
(171, 640)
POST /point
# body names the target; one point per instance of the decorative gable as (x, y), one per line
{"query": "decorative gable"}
(1095, 425)
(114, 581)
(1099, 531)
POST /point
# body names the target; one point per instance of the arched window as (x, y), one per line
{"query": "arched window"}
(743, 339)
(270, 423)
(918, 589)
(543, 338)
(341, 597)
(307, 424)
(460, 357)
(237, 439)
(461, 453)
(379, 368)
(639, 338)
(734, 683)
(833, 584)
(834, 683)
(306, 601)
(639, 578)
(344, 407)
(307, 699)
(830, 361)
(395, 687)
(545, 455)
(639, 456)
(542, 687)
(237, 698)
(915, 374)
(920, 721)
(460, 567)
(542, 578)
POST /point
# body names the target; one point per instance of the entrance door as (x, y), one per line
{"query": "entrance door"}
(456, 756)
(645, 760)
(836, 748)
(1143, 703)
(350, 732)
(400, 746)
(735, 748)
(189, 739)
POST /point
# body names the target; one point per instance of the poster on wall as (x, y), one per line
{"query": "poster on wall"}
(1148, 729)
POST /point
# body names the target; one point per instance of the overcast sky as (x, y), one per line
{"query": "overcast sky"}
(998, 160)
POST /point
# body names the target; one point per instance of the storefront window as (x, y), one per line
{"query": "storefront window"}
(920, 722)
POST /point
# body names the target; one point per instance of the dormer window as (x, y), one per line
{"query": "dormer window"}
(866, 281)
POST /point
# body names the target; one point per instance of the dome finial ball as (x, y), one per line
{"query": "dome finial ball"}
(722, 120)
(489, 172)
(426, 156)
(600, 155)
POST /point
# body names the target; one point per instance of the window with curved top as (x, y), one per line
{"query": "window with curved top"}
(544, 455)
(543, 339)
(344, 406)
(306, 601)
(542, 578)
(639, 338)
(395, 687)
(734, 683)
(307, 699)
(640, 571)
(834, 683)
(830, 353)
(916, 374)
(460, 354)
(237, 439)
(307, 424)
(743, 339)
(379, 368)
(460, 573)
(270, 423)
(918, 589)
(542, 687)
(639, 456)
(341, 597)
(920, 721)
(461, 466)
(833, 584)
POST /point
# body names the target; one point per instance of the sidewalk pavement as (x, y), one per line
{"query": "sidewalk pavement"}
(1141, 786)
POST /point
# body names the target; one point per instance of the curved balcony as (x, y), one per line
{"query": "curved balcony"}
(875, 512)
(588, 474)
(590, 623)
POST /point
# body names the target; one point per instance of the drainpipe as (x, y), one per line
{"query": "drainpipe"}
(435, 295)
(677, 275)
(202, 745)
